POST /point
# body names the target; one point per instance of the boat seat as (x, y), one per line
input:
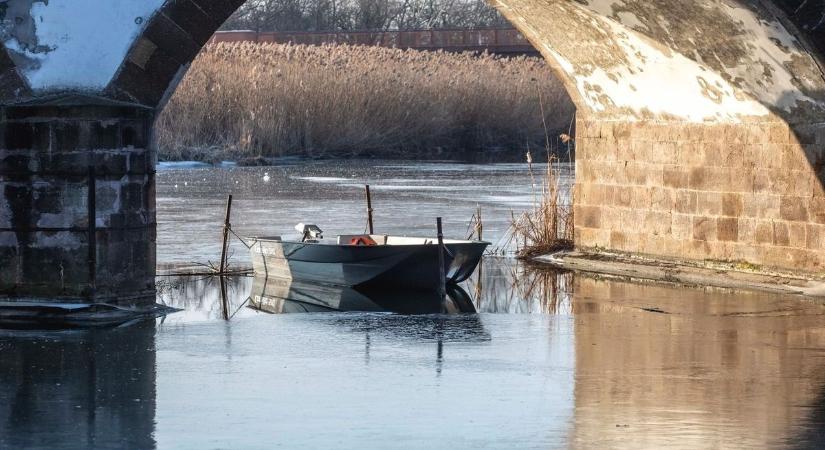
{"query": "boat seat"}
(351, 239)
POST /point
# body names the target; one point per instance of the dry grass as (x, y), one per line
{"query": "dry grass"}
(253, 100)
(548, 226)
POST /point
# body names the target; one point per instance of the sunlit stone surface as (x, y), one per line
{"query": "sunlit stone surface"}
(700, 130)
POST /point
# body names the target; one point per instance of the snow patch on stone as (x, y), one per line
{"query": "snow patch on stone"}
(666, 84)
(79, 44)
(772, 46)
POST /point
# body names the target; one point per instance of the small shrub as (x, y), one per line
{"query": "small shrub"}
(548, 226)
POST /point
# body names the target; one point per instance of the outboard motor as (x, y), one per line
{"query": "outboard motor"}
(309, 233)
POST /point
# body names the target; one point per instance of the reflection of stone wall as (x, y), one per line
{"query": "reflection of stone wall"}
(706, 371)
(85, 389)
(717, 191)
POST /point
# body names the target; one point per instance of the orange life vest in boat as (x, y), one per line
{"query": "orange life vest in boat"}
(362, 240)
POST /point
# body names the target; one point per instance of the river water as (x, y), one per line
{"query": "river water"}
(547, 360)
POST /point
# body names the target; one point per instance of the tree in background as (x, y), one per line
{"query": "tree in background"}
(345, 15)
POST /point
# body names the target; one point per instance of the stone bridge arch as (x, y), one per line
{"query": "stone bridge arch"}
(699, 132)
(700, 124)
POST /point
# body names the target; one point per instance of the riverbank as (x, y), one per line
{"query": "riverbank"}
(718, 274)
(244, 102)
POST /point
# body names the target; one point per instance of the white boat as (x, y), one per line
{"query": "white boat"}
(366, 260)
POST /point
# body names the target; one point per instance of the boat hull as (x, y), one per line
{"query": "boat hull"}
(395, 266)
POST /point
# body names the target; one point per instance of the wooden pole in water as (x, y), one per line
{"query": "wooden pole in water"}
(369, 210)
(479, 224)
(226, 227)
(442, 282)
(224, 299)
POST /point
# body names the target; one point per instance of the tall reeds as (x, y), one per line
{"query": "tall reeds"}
(263, 100)
(548, 226)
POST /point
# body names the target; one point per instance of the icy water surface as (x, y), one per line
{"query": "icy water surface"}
(526, 359)
(407, 198)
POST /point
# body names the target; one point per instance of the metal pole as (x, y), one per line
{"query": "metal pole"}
(92, 227)
(442, 282)
(369, 210)
(226, 227)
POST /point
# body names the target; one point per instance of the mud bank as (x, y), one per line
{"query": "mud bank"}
(730, 275)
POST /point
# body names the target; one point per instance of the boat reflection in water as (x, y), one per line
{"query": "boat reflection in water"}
(283, 296)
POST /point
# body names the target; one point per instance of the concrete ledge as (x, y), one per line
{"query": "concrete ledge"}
(724, 275)
(44, 315)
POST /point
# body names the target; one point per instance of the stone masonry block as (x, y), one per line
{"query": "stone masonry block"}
(759, 133)
(591, 237)
(681, 226)
(588, 216)
(685, 202)
(794, 157)
(25, 135)
(763, 234)
(794, 209)
(704, 228)
(710, 179)
(747, 230)
(619, 240)
(815, 236)
(761, 205)
(714, 133)
(657, 223)
(732, 204)
(796, 234)
(623, 196)
(709, 204)
(817, 210)
(778, 133)
(781, 234)
(676, 177)
(688, 154)
(732, 156)
(661, 199)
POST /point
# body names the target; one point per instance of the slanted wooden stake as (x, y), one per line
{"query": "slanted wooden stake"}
(369, 210)
(226, 227)
(442, 282)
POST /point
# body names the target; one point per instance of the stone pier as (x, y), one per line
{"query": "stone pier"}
(77, 216)
(723, 192)
(700, 131)
(80, 85)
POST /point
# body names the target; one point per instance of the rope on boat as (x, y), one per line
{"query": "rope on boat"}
(243, 241)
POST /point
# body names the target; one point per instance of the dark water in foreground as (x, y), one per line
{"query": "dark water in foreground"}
(548, 360)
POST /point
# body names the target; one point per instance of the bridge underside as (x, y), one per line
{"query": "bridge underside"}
(700, 128)
(699, 133)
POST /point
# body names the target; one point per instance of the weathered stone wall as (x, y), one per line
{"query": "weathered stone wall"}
(733, 192)
(61, 166)
(697, 124)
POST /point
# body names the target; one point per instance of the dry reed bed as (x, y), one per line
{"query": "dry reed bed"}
(249, 100)
(547, 227)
